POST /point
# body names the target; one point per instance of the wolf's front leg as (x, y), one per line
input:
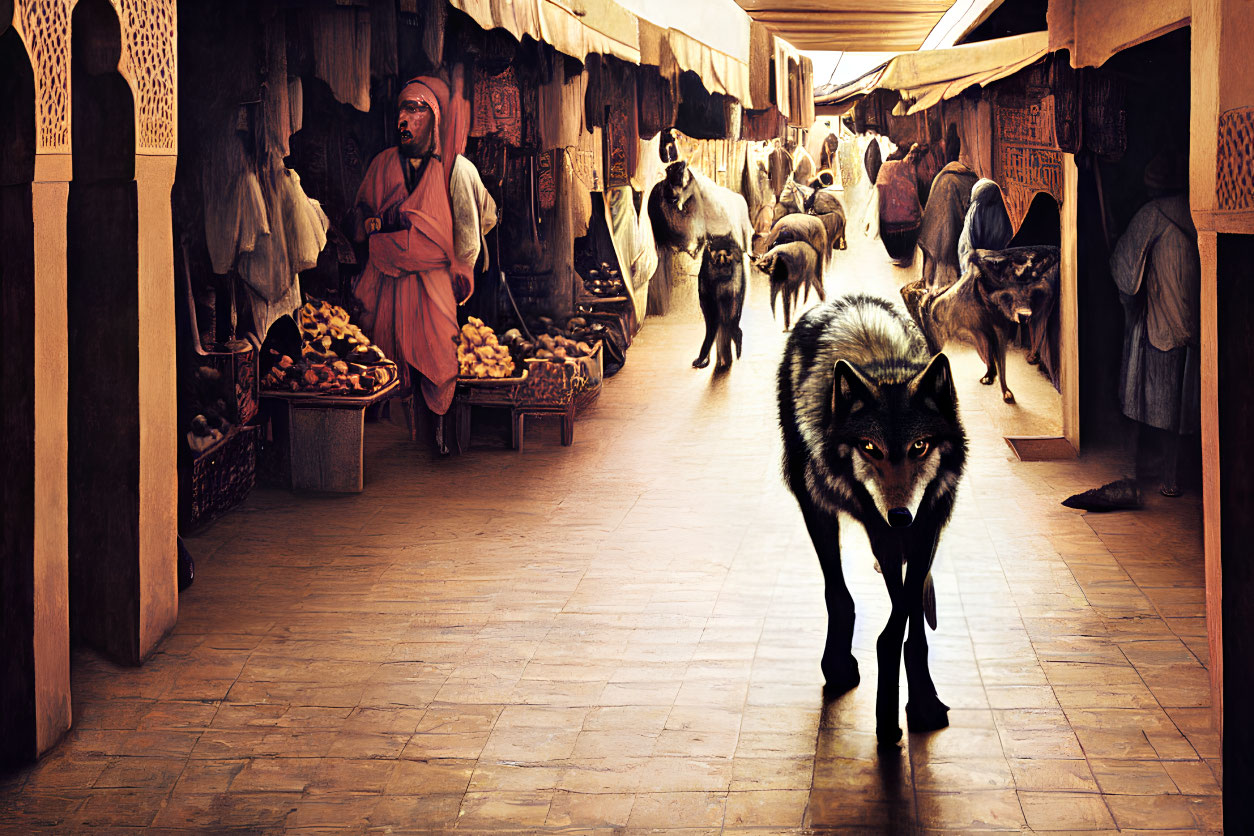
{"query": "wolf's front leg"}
(924, 710)
(840, 669)
(709, 309)
(999, 355)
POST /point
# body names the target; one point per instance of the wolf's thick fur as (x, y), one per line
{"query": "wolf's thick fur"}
(791, 267)
(721, 291)
(983, 306)
(871, 428)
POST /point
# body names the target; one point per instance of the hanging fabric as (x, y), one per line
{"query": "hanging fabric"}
(341, 47)
(498, 107)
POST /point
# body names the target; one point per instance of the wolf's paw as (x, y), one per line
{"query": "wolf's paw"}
(721, 366)
(840, 676)
(987, 379)
(926, 714)
(1034, 359)
(887, 736)
(701, 362)
(1008, 396)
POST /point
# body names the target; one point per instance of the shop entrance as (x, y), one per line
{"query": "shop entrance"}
(1152, 80)
(103, 355)
(17, 392)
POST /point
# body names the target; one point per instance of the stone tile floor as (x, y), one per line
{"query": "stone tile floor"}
(624, 636)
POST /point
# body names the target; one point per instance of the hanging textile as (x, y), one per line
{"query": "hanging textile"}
(275, 106)
(655, 101)
(761, 50)
(560, 105)
(383, 46)
(1027, 158)
(341, 47)
(622, 124)
(498, 107)
(546, 179)
(761, 125)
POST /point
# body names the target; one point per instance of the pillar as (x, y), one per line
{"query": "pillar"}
(34, 612)
(122, 432)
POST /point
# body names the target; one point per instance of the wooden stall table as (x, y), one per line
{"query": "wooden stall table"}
(326, 437)
(544, 388)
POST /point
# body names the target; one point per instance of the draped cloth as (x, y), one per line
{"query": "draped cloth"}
(943, 218)
(1156, 267)
(414, 279)
(987, 225)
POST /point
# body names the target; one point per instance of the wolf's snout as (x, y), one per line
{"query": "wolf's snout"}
(900, 517)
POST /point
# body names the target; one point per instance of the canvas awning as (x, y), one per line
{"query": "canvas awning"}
(1094, 30)
(926, 77)
(577, 28)
(720, 72)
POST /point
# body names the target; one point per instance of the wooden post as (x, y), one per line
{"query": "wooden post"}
(1068, 305)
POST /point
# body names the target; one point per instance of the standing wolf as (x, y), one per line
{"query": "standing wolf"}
(721, 291)
(871, 428)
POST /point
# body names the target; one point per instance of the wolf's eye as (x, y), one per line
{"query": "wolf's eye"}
(871, 450)
(919, 449)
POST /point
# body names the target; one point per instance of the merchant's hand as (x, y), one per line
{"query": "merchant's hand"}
(373, 225)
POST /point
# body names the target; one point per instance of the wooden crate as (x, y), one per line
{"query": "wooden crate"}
(219, 478)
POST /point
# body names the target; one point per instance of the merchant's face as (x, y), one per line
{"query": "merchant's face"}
(415, 122)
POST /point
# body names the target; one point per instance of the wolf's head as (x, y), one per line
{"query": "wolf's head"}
(723, 253)
(895, 433)
(1018, 282)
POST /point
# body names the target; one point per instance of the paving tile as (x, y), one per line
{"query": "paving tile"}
(1065, 811)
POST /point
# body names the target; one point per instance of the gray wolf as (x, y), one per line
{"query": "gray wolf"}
(791, 267)
(871, 428)
(721, 292)
(998, 289)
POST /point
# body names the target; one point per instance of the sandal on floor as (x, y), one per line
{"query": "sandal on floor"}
(1170, 490)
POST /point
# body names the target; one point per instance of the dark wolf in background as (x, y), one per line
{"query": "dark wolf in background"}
(791, 267)
(871, 428)
(721, 291)
(984, 307)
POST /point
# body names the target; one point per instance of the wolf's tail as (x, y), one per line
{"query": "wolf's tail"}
(929, 602)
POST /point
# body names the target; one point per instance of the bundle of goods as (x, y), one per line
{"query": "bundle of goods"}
(480, 353)
(336, 358)
(208, 401)
(552, 342)
(606, 281)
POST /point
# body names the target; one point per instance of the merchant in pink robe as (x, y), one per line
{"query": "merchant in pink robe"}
(425, 211)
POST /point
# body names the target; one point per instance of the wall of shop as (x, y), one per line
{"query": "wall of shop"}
(141, 605)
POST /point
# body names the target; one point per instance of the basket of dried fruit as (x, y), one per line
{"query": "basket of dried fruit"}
(335, 360)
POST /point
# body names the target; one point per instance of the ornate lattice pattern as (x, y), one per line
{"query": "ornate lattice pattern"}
(148, 61)
(1235, 166)
(148, 35)
(46, 27)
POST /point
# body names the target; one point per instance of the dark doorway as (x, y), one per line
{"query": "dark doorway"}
(1153, 79)
(1235, 304)
(103, 317)
(17, 400)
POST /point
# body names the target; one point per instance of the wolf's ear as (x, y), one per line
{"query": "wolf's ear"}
(849, 388)
(935, 383)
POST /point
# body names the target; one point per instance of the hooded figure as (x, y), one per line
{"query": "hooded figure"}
(943, 220)
(1156, 267)
(426, 212)
(987, 226)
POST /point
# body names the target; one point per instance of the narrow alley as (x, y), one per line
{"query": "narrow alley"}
(626, 633)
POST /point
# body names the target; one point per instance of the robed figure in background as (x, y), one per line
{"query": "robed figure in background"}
(425, 212)
(1157, 269)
